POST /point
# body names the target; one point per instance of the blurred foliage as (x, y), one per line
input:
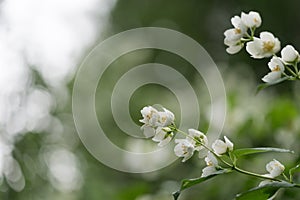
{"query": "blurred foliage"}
(269, 119)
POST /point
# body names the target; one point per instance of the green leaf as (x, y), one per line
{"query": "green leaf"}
(265, 85)
(293, 170)
(186, 183)
(264, 192)
(248, 151)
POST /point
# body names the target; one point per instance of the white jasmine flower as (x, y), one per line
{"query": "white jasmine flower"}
(289, 54)
(275, 168)
(184, 149)
(197, 138)
(233, 36)
(212, 163)
(150, 116)
(237, 32)
(206, 171)
(211, 160)
(277, 68)
(153, 119)
(150, 120)
(221, 147)
(163, 135)
(166, 118)
(235, 48)
(272, 77)
(252, 19)
(263, 47)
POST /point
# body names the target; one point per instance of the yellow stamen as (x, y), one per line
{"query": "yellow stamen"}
(268, 45)
(237, 31)
(276, 69)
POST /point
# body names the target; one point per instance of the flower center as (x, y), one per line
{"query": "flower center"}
(149, 115)
(268, 45)
(209, 163)
(276, 69)
(163, 119)
(237, 31)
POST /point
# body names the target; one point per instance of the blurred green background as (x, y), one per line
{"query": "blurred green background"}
(270, 118)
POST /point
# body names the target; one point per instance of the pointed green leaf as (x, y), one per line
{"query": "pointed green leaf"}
(293, 170)
(248, 151)
(265, 85)
(186, 183)
(263, 192)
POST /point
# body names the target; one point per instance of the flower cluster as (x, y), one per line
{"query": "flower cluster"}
(275, 169)
(220, 157)
(219, 148)
(194, 141)
(237, 36)
(264, 46)
(158, 124)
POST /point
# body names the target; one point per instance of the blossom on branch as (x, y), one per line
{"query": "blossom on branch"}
(251, 20)
(275, 168)
(289, 54)
(198, 139)
(212, 163)
(153, 119)
(163, 135)
(234, 35)
(184, 149)
(220, 147)
(264, 46)
(277, 68)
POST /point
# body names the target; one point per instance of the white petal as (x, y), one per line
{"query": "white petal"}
(188, 156)
(275, 168)
(165, 118)
(211, 160)
(236, 21)
(277, 46)
(219, 147)
(202, 153)
(162, 136)
(276, 64)
(264, 182)
(148, 131)
(228, 143)
(229, 42)
(256, 18)
(252, 19)
(159, 135)
(233, 35)
(234, 49)
(165, 141)
(208, 171)
(289, 54)
(184, 149)
(254, 48)
(199, 136)
(272, 77)
(265, 35)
